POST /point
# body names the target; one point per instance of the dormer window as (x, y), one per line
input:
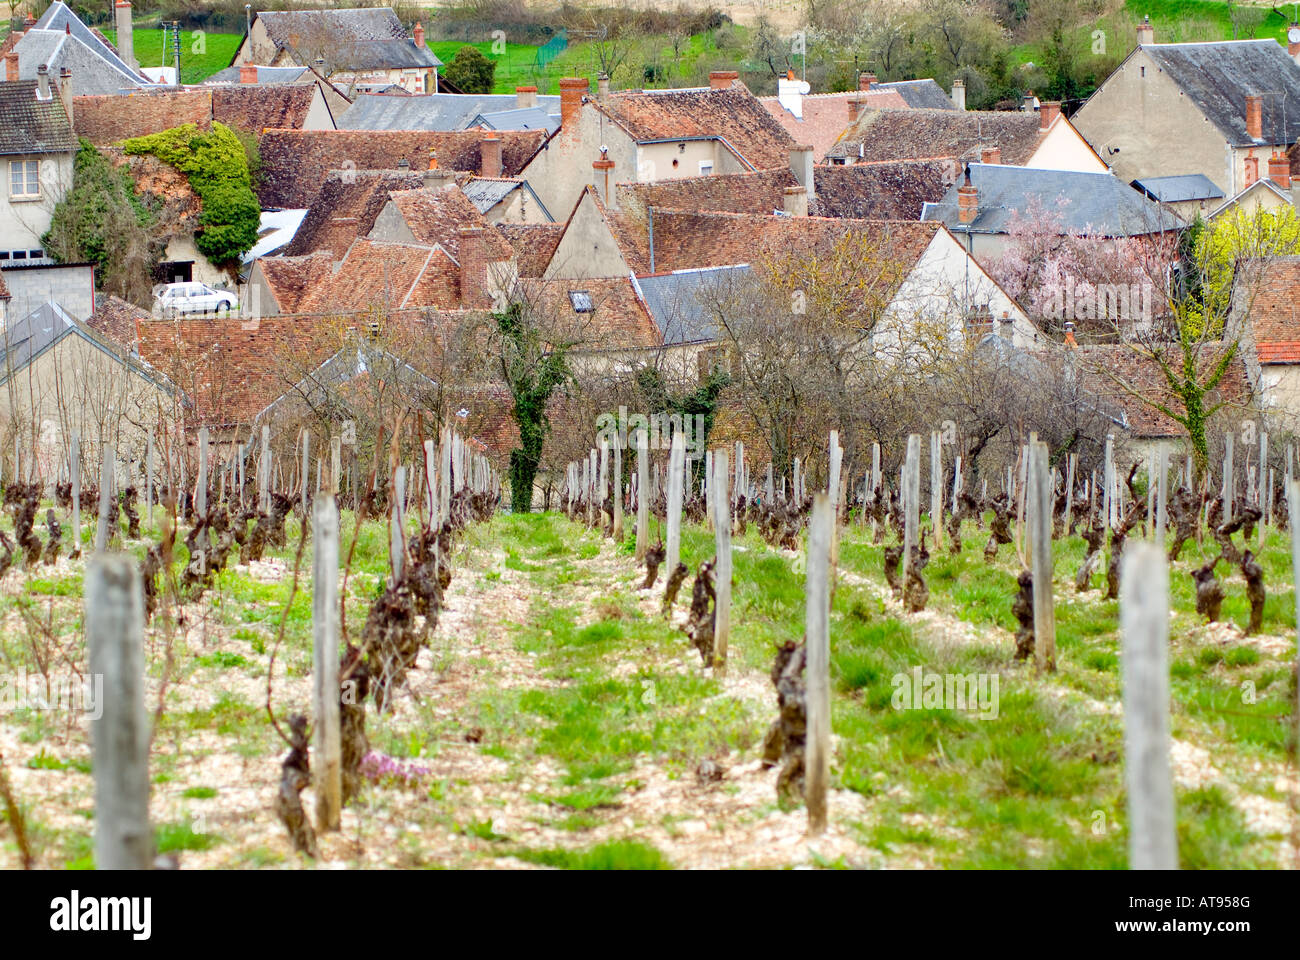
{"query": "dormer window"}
(581, 300)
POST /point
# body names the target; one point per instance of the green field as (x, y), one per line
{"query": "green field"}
(202, 53)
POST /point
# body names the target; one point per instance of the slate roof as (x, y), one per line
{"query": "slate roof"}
(358, 38)
(919, 94)
(1218, 76)
(435, 111)
(525, 118)
(825, 115)
(486, 192)
(264, 75)
(733, 115)
(95, 70)
(674, 301)
(295, 163)
(346, 208)
(1096, 204)
(58, 17)
(29, 125)
(924, 133)
(1187, 186)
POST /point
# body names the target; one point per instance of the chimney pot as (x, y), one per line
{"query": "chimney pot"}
(1255, 116)
(722, 79)
(801, 165)
(65, 93)
(865, 80)
(43, 82)
(1279, 171)
(1047, 113)
(602, 87)
(967, 202)
(572, 90)
(795, 201)
(490, 154)
(1146, 32)
(1292, 47)
(248, 73)
(959, 94)
(525, 97)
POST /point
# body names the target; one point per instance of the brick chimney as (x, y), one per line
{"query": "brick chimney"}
(795, 201)
(125, 39)
(1279, 171)
(854, 106)
(865, 80)
(65, 93)
(959, 94)
(1048, 111)
(967, 201)
(11, 65)
(602, 87)
(1255, 116)
(525, 97)
(1146, 32)
(418, 36)
(42, 82)
(572, 90)
(473, 268)
(248, 73)
(801, 165)
(991, 155)
(722, 79)
(490, 154)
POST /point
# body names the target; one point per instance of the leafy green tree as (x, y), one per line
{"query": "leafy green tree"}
(470, 71)
(533, 369)
(217, 166)
(102, 221)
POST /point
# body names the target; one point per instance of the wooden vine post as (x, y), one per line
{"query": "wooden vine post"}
(1040, 536)
(817, 755)
(676, 460)
(643, 495)
(722, 569)
(108, 454)
(911, 501)
(120, 734)
(936, 488)
(326, 736)
(1144, 629)
(74, 470)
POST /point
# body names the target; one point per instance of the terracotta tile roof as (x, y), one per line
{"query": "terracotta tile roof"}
(618, 318)
(384, 275)
(29, 125)
(255, 107)
(733, 114)
(1274, 324)
(296, 162)
(826, 115)
(435, 216)
(1100, 365)
(534, 244)
(892, 190)
(346, 208)
(290, 278)
(686, 240)
(115, 319)
(919, 134)
(753, 192)
(108, 119)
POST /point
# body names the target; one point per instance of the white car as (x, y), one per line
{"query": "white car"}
(195, 297)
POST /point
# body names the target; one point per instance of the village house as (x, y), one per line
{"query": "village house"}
(1263, 319)
(37, 148)
(638, 136)
(1223, 110)
(525, 110)
(358, 49)
(60, 41)
(983, 208)
(1044, 138)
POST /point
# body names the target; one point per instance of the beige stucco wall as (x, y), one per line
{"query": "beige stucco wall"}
(22, 222)
(1279, 393)
(1158, 131)
(77, 386)
(1065, 149)
(183, 248)
(587, 248)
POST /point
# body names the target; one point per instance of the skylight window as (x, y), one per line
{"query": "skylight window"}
(581, 300)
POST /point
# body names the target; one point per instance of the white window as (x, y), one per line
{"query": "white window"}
(706, 167)
(24, 179)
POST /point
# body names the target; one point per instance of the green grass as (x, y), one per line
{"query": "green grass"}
(203, 53)
(615, 855)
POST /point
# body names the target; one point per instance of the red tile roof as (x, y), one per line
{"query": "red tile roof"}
(920, 134)
(618, 318)
(255, 107)
(296, 162)
(826, 115)
(290, 278)
(733, 114)
(114, 318)
(346, 208)
(108, 119)
(534, 244)
(435, 216)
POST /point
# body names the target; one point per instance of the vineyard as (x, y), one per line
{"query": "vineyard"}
(401, 675)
